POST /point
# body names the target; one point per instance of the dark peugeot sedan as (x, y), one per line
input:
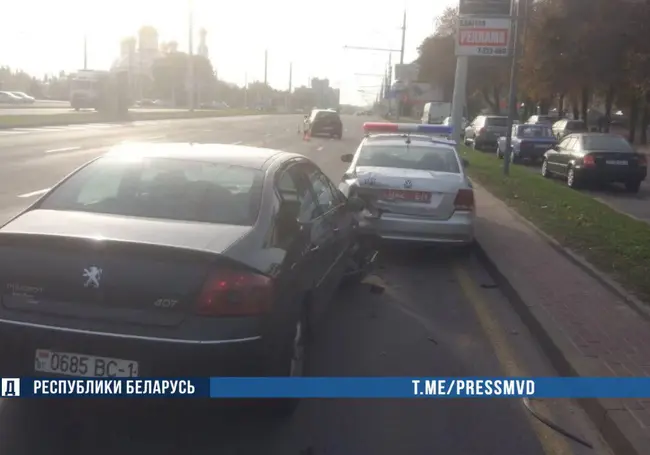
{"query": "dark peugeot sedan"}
(326, 122)
(174, 260)
(596, 158)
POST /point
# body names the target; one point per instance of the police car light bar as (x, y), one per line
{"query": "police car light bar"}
(380, 127)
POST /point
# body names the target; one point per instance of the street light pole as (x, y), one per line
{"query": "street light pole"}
(191, 56)
(246, 90)
(512, 97)
(85, 52)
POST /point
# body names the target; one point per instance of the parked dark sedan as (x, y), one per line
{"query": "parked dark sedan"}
(326, 122)
(596, 158)
(529, 142)
(174, 260)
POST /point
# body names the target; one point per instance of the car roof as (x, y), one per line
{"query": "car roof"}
(589, 134)
(237, 155)
(387, 136)
(419, 142)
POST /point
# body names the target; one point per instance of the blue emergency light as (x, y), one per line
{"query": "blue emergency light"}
(381, 127)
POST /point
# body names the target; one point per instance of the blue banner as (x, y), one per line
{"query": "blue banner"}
(367, 387)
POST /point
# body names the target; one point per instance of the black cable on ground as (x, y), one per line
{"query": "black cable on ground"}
(554, 426)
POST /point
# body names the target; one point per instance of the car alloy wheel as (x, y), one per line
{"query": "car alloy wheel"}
(571, 178)
(544, 168)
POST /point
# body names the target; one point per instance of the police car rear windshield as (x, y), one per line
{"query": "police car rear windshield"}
(420, 157)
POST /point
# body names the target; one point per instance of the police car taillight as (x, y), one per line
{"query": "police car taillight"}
(464, 200)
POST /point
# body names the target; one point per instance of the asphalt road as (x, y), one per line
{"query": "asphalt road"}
(66, 109)
(439, 315)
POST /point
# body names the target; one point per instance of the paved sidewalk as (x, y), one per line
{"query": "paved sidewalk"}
(584, 328)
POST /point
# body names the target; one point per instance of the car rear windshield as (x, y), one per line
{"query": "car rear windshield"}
(496, 121)
(534, 131)
(421, 157)
(327, 116)
(577, 125)
(171, 189)
(613, 143)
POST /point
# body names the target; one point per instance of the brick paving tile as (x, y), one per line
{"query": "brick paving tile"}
(595, 321)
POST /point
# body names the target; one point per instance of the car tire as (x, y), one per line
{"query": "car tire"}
(633, 186)
(475, 146)
(544, 171)
(297, 344)
(572, 179)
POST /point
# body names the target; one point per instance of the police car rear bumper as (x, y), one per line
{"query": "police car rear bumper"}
(457, 230)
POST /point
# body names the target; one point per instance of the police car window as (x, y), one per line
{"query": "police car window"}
(421, 157)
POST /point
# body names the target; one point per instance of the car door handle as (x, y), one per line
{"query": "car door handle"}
(314, 248)
(336, 230)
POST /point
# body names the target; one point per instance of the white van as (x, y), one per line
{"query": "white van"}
(436, 112)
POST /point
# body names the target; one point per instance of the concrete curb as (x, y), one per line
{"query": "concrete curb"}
(611, 420)
(607, 282)
(610, 417)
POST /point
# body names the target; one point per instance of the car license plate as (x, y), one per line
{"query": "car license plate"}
(71, 364)
(617, 162)
(411, 196)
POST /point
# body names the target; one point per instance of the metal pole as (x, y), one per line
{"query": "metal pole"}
(191, 57)
(266, 66)
(85, 52)
(401, 52)
(512, 96)
(246, 90)
(290, 77)
(290, 85)
(401, 61)
(458, 97)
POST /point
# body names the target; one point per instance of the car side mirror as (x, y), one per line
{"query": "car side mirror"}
(465, 162)
(356, 204)
(347, 158)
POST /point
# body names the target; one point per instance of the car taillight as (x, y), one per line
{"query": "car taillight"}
(233, 293)
(588, 161)
(643, 161)
(464, 200)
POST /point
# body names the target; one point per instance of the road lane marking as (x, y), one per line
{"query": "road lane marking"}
(236, 143)
(34, 193)
(64, 149)
(320, 148)
(552, 443)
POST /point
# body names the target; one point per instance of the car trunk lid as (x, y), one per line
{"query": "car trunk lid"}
(409, 191)
(103, 267)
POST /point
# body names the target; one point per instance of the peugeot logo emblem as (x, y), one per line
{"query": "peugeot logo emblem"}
(92, 275)
(408, 184)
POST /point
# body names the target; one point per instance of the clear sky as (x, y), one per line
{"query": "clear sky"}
(46, 37)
